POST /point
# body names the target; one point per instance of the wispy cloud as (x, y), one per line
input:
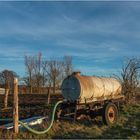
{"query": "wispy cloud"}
(94, 33)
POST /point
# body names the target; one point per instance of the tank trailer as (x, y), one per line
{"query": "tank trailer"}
(92, 96)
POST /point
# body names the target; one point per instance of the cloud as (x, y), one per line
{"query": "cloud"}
(114, 24)
(94, 33)
(98, 71)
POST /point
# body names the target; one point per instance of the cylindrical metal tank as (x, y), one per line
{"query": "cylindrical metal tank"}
(89, 88)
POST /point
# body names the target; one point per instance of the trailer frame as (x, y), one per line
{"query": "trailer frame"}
(72, 110)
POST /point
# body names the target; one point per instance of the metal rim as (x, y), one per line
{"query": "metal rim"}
(111, 114)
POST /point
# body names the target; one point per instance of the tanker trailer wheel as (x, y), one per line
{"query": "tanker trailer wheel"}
(110, 114)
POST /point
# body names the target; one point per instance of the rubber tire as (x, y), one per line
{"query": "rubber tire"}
(105, 114)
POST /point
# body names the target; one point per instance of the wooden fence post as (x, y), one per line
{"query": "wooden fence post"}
(6, 98)
(15, 106)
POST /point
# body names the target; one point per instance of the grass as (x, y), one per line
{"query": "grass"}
(128, 127)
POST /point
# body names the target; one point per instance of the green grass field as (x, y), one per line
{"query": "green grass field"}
(127, 127)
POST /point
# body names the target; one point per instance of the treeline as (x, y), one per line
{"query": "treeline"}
(42, 76)
(42, 73)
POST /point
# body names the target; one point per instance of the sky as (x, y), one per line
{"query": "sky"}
(100, 36)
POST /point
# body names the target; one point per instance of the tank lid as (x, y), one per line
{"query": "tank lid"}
(76, 73)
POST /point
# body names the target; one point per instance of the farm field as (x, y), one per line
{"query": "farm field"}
(128, 125)
(29, 105)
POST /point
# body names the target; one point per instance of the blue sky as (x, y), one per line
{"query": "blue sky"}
(98, 35)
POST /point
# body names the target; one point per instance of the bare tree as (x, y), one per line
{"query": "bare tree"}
(130, 77)
(6, 80)
(46, 79)
(68, 66)
(38, 72)
(29, 64)
(46, 73)
(54, 70)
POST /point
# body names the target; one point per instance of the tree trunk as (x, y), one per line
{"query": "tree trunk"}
(54, 86)
(30, 80)
(48, 100)
(39, 89)
(31, 90)
(6, 98)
